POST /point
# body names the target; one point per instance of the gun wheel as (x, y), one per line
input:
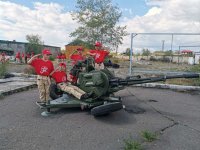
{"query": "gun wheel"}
(106, 109)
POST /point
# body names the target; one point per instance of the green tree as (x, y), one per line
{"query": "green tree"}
(146, 52)
(82, 43)
(169, 53)
(97, 19)
(35, 43)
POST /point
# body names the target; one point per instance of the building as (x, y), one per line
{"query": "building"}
(69, 49)
(187, 52)
(12, 47)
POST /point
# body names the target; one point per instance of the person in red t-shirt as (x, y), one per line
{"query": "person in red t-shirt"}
(77, 57)
(23, 58)
(58, 57)
(43, 67)
(18, 57)
(3, 58)
(99, 55)
(60, 77)
(63, 58)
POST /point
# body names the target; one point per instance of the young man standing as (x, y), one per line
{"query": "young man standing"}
(18, 57)
(99, 55)
(43, 67)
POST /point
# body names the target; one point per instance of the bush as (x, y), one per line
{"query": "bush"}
(164, 59)
(152, 58)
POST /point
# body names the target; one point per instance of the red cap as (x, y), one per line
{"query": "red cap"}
(79, 49)
(46, 51)
(62, 64)
(98, 44)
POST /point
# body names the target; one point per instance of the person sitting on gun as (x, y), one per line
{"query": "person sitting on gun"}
(60, 77)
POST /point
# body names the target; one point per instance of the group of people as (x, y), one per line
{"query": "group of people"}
(45, 72)
(61, 58)
(23, 57)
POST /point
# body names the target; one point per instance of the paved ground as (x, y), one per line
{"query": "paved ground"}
(175, 116)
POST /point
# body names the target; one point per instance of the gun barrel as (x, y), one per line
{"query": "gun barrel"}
(119, 81)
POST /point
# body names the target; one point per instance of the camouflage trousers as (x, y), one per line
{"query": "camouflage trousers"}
(99, 66)
(23, 60)
(43, 83)
(71, 89)
(18, 60)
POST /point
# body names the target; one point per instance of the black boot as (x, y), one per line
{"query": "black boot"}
(86, 95)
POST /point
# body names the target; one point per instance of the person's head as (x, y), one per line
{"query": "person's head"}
(62, 66)
(46, 54)
(80, 50)
(98, 46)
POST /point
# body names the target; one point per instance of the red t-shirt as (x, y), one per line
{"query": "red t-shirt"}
(22, 55)
(58, 56)
(59, 76)
(17, 55)
(42, 67)
(75, 58)
(63, 57)
(99, 55)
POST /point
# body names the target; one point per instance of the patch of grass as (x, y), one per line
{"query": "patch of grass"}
(1, 96)
(195, 68)
(130, 144)
(148, 136)
(183, 81)
(3, 70)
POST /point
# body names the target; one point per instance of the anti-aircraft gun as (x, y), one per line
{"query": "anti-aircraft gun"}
(103, 84)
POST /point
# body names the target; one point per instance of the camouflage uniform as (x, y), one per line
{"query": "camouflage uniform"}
(71, 89)
(43, 83)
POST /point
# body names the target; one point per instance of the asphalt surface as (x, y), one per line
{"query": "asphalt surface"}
(174, 116)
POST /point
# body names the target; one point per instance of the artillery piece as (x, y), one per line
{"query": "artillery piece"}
(104, 84)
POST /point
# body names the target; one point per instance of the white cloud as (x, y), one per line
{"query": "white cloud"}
(165, 16)
(48, 20)
(153, 11)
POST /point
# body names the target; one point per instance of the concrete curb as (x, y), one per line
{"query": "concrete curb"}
(169, 86)
(23, 75)
(19, 89)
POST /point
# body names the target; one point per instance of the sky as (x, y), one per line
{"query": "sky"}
(51, 19)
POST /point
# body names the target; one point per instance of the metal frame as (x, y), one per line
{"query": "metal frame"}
(135, 34)
(179, 49)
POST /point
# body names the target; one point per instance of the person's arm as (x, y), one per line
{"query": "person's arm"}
(73, 53)
(91, 54)
(54, 71)
(33, 58)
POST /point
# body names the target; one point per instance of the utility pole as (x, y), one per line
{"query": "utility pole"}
(163, 45)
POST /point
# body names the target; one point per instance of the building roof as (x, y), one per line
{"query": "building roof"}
(186, 51)
(4, 41)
